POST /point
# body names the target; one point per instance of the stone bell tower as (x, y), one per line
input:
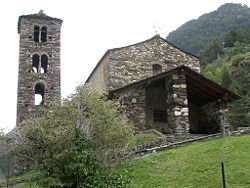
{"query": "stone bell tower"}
(39, 64)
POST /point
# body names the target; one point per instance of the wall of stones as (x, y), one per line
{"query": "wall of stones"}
(133, 63)
(210, 118)
(133, 106)
(27, 79)
(207, 118)
(180, 119)
(169, 94)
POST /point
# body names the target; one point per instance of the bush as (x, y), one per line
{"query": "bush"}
(74, 144)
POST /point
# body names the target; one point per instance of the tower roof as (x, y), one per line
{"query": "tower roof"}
(39, 15)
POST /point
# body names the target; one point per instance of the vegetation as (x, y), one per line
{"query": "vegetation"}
(211, 52)
(195, 165)
(142, 138)
(76, 144)
(29, 186)
(196, 34)
(231, 69)
(6, 159)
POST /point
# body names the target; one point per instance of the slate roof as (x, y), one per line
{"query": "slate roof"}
(201, 90)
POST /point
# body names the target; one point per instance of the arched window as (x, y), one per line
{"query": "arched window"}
(35, 63)
(156, 69)
(39, 94)
(36, 33)
(44, 64)
(44, 34)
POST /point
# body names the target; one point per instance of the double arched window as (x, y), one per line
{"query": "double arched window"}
(40, 34)
(40, 64)
(39, 94)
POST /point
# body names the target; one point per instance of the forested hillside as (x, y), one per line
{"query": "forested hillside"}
(196, 34)
(227, 62)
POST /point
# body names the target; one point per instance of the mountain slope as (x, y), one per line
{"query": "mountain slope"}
(195, 34)
(196, 165)
(230, 67)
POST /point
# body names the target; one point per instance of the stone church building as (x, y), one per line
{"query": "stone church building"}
(158, 84)
(160, 87)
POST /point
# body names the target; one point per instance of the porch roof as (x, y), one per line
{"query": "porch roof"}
(200, 89)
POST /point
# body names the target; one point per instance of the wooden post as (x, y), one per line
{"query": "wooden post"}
(223, 175)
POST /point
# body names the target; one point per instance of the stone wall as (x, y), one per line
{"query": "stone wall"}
(210, 118)
(27, 78)
(167, 95)
(207, 119)
(133, 105)
(133, 63)
(177, 99)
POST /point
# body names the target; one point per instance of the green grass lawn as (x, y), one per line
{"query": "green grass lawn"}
(195, 165)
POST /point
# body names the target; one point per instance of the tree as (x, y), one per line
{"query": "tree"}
(211, 51)
(6, 159)
(230, 39)
(225, 79)
(76, 144)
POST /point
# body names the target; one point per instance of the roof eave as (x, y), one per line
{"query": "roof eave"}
(187, 71)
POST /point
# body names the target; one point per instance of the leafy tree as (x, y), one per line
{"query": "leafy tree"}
(76, 144)
(7, 161)
(211, 52)
(230, 39)
(225, 79)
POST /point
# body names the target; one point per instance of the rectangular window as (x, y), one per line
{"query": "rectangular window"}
(159, 116)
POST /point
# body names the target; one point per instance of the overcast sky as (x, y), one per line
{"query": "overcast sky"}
(89, 29)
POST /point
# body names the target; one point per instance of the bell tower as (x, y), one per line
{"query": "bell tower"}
(39, 64)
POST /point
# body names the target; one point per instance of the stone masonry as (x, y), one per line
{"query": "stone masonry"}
(178, 101)
(122, 66)
(134, 104)
(39, 63)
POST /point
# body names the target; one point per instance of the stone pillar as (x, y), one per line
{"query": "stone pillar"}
(180, 111)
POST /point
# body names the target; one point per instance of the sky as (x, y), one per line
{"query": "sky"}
(89, 29)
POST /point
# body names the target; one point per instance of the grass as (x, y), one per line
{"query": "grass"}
(21, 176)
(143, 138)
(197, 165)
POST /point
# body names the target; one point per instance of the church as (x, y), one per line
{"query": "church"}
(159, 85)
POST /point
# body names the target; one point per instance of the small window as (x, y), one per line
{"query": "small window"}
(44, 34)
(159, 116)
(44, 64)
(157, 69)
(35, 63)
(39, 94)
(36, 33)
